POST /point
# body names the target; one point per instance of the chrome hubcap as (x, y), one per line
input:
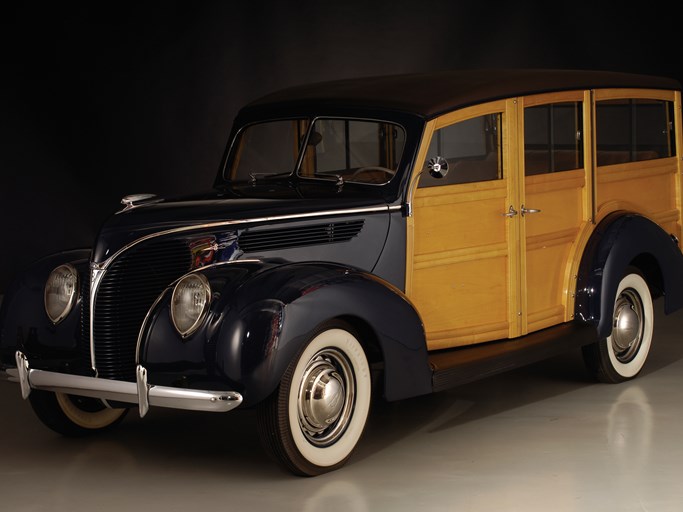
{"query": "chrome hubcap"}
(326, 395)
(627, 326)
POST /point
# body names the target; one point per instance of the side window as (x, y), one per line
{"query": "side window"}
(552, 138)
(472, 149)
(633, 130)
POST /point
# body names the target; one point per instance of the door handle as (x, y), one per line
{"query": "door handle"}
(528, 210)
(510, 213)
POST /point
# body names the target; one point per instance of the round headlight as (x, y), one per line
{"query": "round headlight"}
(61, 292)
(189, 303)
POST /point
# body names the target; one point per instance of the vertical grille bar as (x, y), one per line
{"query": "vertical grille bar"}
(84, 337)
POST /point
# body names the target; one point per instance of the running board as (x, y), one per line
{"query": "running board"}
(454, 367)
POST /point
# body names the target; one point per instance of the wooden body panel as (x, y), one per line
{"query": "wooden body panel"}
(476, 275)
(678, 123)
(460, 263)
(647, 187)
(550, 235)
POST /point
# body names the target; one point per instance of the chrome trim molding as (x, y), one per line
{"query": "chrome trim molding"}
(141, 393)
(412, 187)
(96, 275)
(144, 325)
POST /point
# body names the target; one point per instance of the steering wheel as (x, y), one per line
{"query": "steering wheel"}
(372, 168)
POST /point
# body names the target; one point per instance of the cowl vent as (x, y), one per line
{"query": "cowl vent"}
(299, 236)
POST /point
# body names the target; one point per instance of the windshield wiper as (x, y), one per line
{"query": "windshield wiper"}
(254, 176)
(339, 183)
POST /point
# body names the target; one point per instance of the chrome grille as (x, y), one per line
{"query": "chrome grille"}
(127, 291)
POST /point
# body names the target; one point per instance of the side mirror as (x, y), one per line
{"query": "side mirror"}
(438, 167)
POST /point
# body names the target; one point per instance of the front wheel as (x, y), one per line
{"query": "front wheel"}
(313, 421)
(73, 416)
(622, 354)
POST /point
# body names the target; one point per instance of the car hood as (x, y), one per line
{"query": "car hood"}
(219, 210)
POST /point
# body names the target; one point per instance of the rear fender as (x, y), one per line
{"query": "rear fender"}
(623, 239)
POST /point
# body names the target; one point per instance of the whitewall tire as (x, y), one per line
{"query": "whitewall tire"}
(622, 355)
(74, 416)
(314, 420)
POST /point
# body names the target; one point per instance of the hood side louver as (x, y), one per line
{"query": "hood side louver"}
(300, 236)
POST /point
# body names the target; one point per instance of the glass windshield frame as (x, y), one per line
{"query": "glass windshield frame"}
(235, 148)
(305, 141)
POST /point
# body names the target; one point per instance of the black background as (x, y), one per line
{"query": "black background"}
(111, 98)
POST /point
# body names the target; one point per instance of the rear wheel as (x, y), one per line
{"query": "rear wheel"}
(623, 353)
(314, 420)
(73, 416)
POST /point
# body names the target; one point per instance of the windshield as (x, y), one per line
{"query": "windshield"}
(343, 150)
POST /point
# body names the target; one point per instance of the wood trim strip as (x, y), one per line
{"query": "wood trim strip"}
(442, 258)
(637, 170)
(467, 335)
(565, 236)
(646, 94)
(568, 179)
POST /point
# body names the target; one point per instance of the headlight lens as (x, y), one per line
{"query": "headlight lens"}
(61, 292)
(189, 303)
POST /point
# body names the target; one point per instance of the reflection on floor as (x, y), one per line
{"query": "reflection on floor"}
(543, 438)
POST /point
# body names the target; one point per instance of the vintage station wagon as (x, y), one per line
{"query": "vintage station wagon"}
(391, 236)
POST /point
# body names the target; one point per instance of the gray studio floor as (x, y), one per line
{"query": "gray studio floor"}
(539, 439)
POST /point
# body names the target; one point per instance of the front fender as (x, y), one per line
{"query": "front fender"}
(24, 325)
(620, 240)
(263, 314)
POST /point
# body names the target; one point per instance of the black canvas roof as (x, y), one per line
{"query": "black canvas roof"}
(433, 93)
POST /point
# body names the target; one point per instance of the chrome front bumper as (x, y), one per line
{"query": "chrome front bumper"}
(140, 392)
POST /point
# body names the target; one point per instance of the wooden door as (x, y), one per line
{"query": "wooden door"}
(463, 270)
(554, 202)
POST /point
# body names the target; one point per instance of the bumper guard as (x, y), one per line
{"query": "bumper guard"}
(140, 392)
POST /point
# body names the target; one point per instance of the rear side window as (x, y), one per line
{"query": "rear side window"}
(552, 138)
(633, 130)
